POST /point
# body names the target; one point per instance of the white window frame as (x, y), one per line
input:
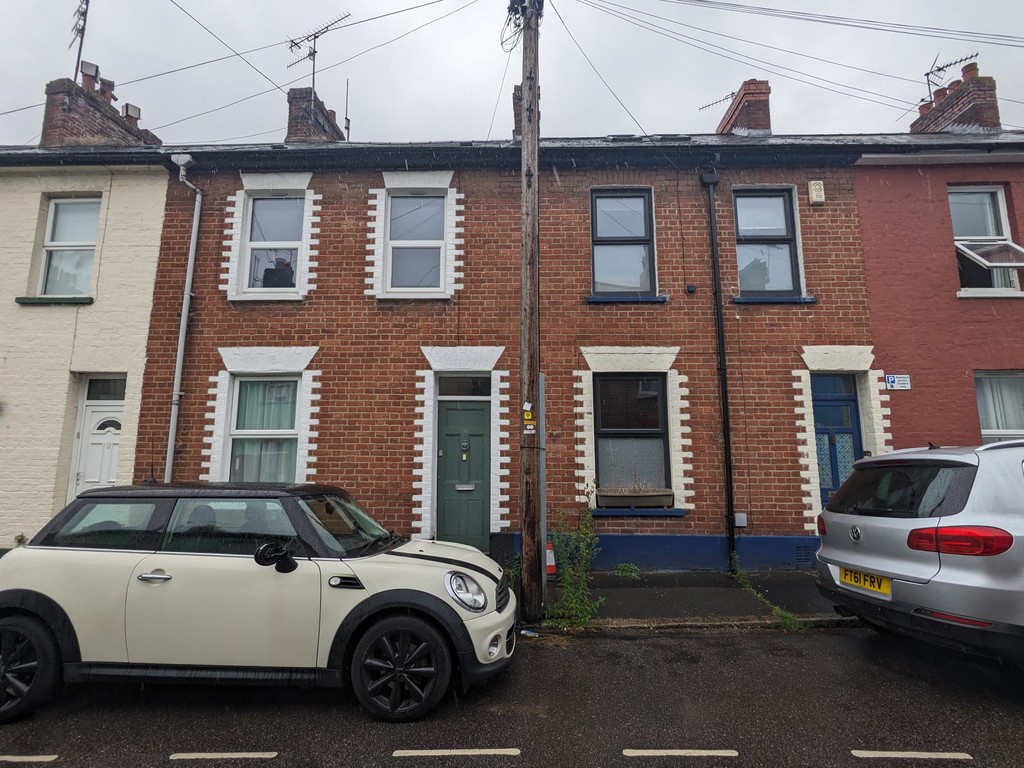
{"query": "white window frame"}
(248, 244)
(390, 244)
(51, 245)
(378, 268)
(234, 279)
(996, 435)
(234, 433)
(261, 363)
(964, 245)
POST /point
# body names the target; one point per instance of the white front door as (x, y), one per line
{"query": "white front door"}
(98, 444)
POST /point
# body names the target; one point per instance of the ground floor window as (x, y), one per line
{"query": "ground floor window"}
(1000, 405)
(264, 438)
(631, 432)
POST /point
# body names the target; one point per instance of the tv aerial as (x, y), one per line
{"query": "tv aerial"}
(309, 42)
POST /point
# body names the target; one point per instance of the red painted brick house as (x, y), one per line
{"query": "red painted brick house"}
(943, 224)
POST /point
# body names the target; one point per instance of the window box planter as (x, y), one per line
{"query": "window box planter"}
(650, 497)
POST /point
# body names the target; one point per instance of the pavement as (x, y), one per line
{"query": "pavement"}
(698, 599)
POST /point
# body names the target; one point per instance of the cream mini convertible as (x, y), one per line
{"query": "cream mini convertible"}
(265, 584)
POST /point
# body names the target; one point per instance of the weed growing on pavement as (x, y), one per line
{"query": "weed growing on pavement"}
(629, 571)
(787, 621)
(575, 550)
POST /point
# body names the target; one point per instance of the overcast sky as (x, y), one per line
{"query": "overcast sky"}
(443, 81)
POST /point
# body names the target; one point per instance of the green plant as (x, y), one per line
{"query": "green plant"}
(575, 549)
(786, 621)
(628, 571)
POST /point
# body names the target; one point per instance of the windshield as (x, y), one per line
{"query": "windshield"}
(905, 490)
(343, 526)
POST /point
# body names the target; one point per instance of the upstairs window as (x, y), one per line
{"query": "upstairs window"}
(1000, 405)
(69, 246)
(416, 239)
(273, 242)
(766, 247)
(623, 243)
(986, 256)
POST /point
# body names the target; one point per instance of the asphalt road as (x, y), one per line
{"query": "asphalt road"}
(732, 698)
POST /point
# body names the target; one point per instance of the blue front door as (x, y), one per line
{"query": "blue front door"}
(836, 429)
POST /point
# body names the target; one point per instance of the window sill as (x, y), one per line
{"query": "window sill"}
(80, 300)
(439, 296)
(774, 300)
(637, 512)
(989, 293)
(266, 297)
(627, 299)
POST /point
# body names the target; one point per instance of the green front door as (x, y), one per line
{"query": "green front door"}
(463, 472)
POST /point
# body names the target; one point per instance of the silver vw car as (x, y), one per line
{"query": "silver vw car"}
(929, 543)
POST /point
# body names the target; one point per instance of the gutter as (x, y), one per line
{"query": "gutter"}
(183, 161)
(710, 180)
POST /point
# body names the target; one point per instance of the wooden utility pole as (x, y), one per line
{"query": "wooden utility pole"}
(529, 336)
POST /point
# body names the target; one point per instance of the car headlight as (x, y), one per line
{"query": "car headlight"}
(465, 591)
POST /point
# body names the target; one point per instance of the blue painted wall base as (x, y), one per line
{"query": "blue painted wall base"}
(657, 552)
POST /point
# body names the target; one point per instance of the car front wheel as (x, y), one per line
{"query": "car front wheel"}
(400, 668)
(29, 666)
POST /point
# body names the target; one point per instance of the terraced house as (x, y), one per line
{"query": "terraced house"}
(712, 333)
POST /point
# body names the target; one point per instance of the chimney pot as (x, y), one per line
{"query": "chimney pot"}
(925, 108)
(969, 71)
(940, 94)
(90, 73)
(107, 90)
(131, 114)
(954, 85)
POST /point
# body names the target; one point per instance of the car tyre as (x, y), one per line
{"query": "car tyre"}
(29, 666)
(400, 669)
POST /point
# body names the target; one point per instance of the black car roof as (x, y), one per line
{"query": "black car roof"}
(193, 490)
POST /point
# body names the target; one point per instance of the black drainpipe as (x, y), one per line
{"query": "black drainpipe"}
(709, 180)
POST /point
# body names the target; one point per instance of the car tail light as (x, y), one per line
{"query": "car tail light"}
(958, 619)
(975, 540)
(821, 525)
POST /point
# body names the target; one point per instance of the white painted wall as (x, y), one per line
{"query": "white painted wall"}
(45, 351)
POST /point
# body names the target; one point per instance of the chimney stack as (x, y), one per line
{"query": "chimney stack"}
(82, 115)
(309, 120)
(968, 105)
(749, 114)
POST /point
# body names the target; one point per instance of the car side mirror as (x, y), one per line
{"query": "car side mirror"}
(274, 554)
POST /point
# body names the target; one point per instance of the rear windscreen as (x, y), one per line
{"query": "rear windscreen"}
(933, 489)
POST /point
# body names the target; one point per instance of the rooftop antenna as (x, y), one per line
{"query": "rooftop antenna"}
(937, 70)
(312, 37)
(78, 33)
(348, 133)
(713, 103)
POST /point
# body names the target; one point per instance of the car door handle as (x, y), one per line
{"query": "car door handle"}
(154, 577)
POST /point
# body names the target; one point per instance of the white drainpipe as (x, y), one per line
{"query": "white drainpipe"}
(183, 162)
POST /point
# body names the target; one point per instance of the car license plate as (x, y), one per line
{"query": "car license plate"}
(869, 581)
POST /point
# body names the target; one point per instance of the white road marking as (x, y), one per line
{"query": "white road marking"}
(454, 752)
(27, 758)
(223, 755)
(912, 755)
(680, 753)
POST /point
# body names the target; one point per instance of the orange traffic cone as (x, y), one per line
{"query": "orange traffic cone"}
(550, 562)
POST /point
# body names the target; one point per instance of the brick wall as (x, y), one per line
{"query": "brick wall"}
(919, 325)
(370, 352)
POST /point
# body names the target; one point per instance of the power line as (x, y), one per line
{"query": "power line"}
(222, 42)
(746, 60)
(332, 66)
(501, 89)
(22, 109)
(963, 35)
(610, 90)
(763, 45)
